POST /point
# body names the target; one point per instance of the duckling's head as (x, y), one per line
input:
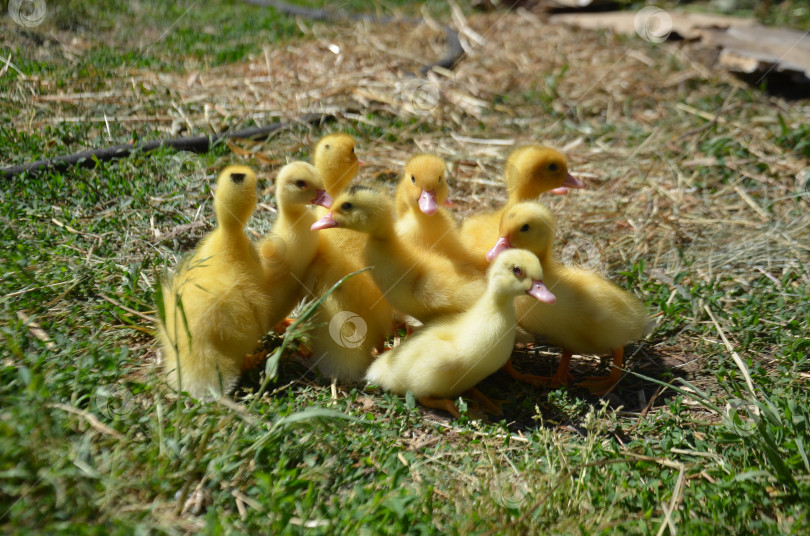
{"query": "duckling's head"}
(336, 161)
(528, 225)
(534, 169)
(517, 272)
(235, 196)
(360, 208)
(299, 183)
(424, 183)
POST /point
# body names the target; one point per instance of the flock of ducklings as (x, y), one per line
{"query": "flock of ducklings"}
(470, 285)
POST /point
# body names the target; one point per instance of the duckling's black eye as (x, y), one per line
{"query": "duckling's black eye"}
(518, 271)
(553, 167)
(352, 150)
(300, 183)
(327, 146)
(524, 228)
(413, 179)
(440, 178)
(346, 206)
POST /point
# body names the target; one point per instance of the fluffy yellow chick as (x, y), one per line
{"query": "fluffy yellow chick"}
(288, 250)
(336, 161)
(421, 284)
(454, 354)
(591, 316)
(529, 171)
(353, 322)
(421, 221)
(355, 319)
(216, 307)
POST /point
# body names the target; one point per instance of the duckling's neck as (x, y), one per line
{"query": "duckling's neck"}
(384, 237)
(495, 302)
(230, 238)
(551, 267)
(335, 179)
(522, 192)
(295, 215)
(294, 226)
(384, 227)
(495, 295)
(229, 224)
(496, 298)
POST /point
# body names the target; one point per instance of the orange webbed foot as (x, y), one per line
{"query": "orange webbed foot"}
(444, 404)
(561, 377)
(601, 385)
(486, 404)
(282, 326)
(254, 361)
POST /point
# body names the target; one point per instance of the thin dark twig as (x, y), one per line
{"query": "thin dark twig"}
(195, 144)
(202, 144)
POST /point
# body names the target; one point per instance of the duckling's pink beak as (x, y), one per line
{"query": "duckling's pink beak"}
(427, 202)
(327, 222)
(573, 182)
(361, 162)
(500, 246)
(569, 182)
(540, 292)
(323, 199)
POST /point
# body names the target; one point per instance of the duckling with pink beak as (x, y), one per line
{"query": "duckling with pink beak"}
(591, 314)
(422, 222)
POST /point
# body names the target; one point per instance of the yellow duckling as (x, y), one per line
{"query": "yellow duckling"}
(289, 249)
(335, 159)
(216, 307)
(451, 356)
(421, 284)
(355, 319)
(353, 322)
(421, 222)
(529, 171)
(591, 316)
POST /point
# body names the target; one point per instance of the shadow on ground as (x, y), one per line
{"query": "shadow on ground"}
(561, 408)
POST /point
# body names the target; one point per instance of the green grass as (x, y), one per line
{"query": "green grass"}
(93, 442)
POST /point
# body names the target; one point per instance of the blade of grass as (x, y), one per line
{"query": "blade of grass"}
(272, 363)
(305, 416)
(702, 401)
(734, 355)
